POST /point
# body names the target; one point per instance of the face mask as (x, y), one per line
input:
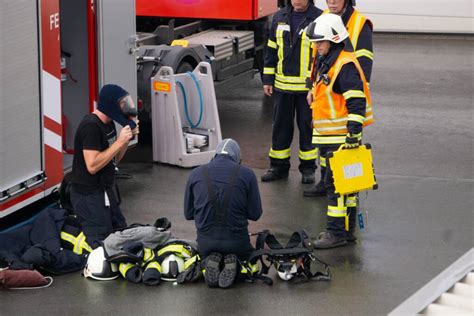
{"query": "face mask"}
(122, 112)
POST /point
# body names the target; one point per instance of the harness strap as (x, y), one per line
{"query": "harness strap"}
(220, 208)
(300, 238)
(299, 247)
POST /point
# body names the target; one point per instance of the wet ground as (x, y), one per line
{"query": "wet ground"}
(419, 221)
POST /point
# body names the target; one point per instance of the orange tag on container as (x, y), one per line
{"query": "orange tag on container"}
(161, 86)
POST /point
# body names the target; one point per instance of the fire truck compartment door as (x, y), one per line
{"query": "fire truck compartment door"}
(117, 44)
(21, 139)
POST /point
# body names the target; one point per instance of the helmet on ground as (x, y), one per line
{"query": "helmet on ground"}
(171, 266)
(327, 27)
(287, 270)
(98, 268)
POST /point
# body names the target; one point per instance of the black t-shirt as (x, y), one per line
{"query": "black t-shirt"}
(93, 134)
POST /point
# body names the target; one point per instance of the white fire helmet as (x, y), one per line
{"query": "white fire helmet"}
(171, 266)
(286, 273)
(98, 268)
(327, 27)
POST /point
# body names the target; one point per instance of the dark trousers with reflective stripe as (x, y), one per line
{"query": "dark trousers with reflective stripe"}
(341, 215)
(97, 219)
(285, 108)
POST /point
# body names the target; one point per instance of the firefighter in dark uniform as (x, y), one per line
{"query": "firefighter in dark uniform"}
(340, 101)
(360, 34)
(97, 151)
(221, 197)
(286, 67)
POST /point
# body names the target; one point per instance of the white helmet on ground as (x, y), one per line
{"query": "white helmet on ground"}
(286, 271)
(98, 268)
(171, 267)
(327, 27)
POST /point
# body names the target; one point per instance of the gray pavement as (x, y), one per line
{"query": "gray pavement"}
(419, 221)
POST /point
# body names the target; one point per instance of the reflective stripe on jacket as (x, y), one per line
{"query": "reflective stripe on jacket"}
(330, 114)
(288, 53)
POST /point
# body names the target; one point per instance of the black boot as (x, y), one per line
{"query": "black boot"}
(352, 211)
(307, 178)
(327, 240)
(229, 272)
(317, 190)
(273, 174)
(212, 269)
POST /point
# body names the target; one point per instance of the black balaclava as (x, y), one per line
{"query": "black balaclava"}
(109, 98)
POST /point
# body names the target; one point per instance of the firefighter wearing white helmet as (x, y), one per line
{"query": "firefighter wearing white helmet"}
(360, 34)
(340, 102)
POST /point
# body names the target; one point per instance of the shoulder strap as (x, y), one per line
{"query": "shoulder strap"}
(220, 208)
(210, 190)
(228, 193)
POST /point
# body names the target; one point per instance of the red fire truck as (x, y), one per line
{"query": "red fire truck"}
(54, 62)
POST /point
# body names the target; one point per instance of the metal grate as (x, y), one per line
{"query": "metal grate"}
(450, 293)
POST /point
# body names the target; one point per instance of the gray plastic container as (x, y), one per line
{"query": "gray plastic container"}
(169, 119)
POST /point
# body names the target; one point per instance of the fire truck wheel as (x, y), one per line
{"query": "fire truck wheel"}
(184, 67)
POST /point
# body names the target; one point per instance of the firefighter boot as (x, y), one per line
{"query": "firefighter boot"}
(327, 240)
(273, 174)
(211, 274)
(229, 273)
(307, 178)
(352, 212)
(319, 189)
(334, 236)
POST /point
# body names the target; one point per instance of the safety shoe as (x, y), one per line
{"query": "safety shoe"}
(272, 175)
(328, 240)
(211, 274)
(350, 237)
(228, 274)
(317, 190)
(307, 178)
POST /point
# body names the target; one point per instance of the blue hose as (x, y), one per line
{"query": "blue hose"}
(201, 105)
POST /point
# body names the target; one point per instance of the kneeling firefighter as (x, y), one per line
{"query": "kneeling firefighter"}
(340, 101)
(97, 151)
(221, 197)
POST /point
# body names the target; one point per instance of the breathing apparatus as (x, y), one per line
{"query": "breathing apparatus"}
(118, 105)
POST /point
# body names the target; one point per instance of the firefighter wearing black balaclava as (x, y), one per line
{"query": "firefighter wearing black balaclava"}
(340, 101)
(360, 34)
(286, 67)
(97, 151)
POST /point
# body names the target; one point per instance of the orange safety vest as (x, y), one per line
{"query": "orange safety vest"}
(354, 26)
(330, 115)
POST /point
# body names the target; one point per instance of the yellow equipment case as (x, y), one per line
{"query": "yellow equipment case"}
(352, 169)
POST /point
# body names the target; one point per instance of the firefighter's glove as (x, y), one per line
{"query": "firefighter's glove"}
(353, 140)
